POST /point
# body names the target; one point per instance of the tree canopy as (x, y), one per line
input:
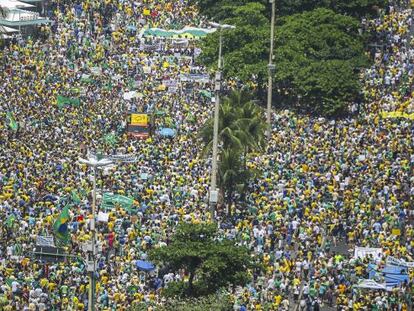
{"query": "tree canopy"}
(209, 262)
(318, 55)
(216, 302)
(244, 48)
(221, 9)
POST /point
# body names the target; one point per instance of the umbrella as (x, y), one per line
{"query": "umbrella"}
(167, 132)
(145, 265)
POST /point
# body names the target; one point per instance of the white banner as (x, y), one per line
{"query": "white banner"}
(103, 217)
(371, 284)
(128, 158)
(399, 262)
(362, 252)
(45, 241)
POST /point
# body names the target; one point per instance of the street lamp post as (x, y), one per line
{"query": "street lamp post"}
(271, 70)
(94, 162)
(217, 89)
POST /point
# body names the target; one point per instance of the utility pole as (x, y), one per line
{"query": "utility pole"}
(94, 162)
(213, 198)
(271, 71)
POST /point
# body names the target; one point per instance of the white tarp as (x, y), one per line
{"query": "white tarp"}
(362, 252)
(371, 284)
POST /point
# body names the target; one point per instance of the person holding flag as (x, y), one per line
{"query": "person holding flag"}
(60, 227)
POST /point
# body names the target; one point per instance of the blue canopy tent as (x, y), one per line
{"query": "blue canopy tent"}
(167, 132)
(145, 265)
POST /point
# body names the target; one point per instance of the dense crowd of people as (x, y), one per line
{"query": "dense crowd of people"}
(324, 183)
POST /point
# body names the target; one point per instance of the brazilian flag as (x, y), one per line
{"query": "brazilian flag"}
(60, 227)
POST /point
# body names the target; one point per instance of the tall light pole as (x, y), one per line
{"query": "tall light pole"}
(271, 71)
(94, 162)
(213, 198)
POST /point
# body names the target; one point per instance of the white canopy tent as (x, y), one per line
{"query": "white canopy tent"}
(14, 4)
(17, 17)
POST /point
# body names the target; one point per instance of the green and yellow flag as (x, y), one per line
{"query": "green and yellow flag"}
(60, 227)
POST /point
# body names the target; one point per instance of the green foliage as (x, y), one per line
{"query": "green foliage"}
(329, 86)
(241, 131)
(318, 55)
(318, 52)
(233, 175)
(220, 302)
(358, 8)
(244, 48)
(211, 264)
(221, 9)
(241, 124)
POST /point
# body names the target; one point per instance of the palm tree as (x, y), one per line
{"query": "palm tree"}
(252, 127)
(233, 178)
(241, 125)
(241, 131)
(228, 134)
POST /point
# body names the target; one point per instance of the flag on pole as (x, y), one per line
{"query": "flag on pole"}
(11, 121)
(60, 227)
